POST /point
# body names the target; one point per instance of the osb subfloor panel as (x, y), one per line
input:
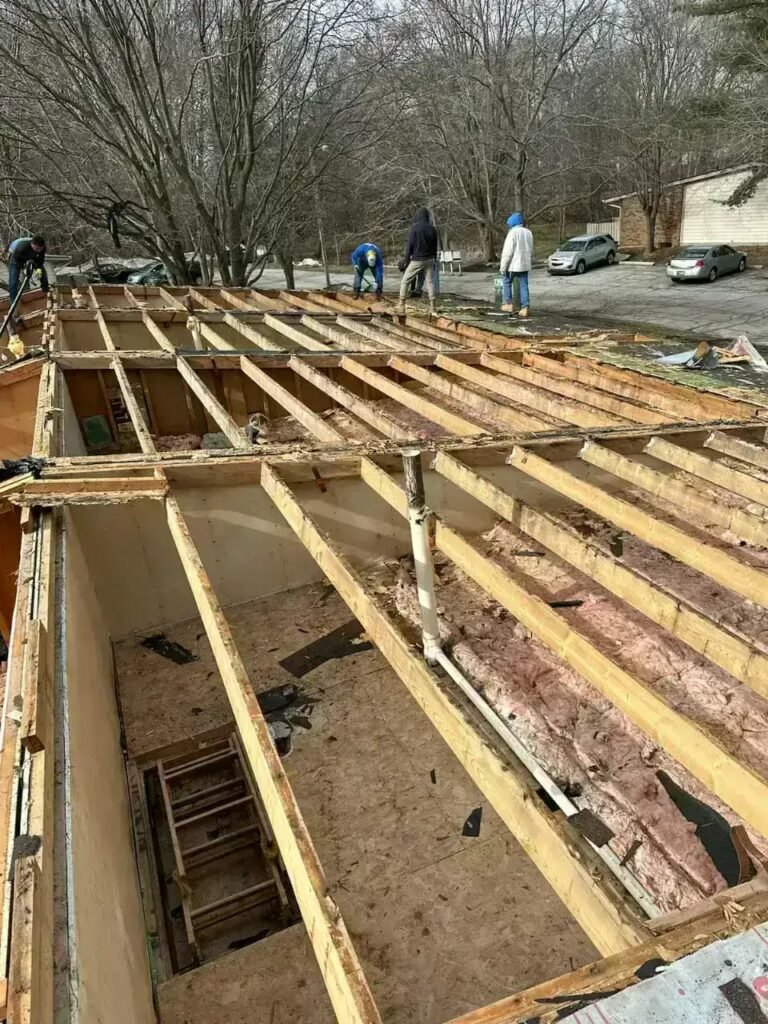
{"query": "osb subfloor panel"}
(442, 923)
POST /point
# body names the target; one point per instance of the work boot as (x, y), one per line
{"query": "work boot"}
(400, 309)
(356, 295)
(524, 311)
(508, 307)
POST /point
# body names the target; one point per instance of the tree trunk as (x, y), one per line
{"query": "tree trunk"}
(651, 213)
(487, 243)
(286, 265)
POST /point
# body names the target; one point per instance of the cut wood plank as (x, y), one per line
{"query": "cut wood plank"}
(561, 408)
(741, 788)
(296, 336)
(338, 962)
(138, 422)
(625, 411)
(481, 339)
(541, 1004)
(292, 405)
(204, 300)
(732, 652)
(473, 401)
(528, 419)
(450, 421)
(409, 335)
(693, 506)
(37, 720)
(172, 301)
(297, 301)
(212, 406)
(632, 389)
(573, 871)
(253, 334)
(365, 411)
(734, 575)
(374, 337)
(715, 472)
(706, 403)
(746, 451)
(343, 338)
(158, 333)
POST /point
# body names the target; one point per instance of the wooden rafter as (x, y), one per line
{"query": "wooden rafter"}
(341, 970)
(737, 576)
(577, 876)
(450, 421)
(736, 654)
(212, 405)
(704, 756)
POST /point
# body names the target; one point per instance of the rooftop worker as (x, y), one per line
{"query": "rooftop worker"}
(516, 261)
(420, 254)
(369, 269)
(22, 252)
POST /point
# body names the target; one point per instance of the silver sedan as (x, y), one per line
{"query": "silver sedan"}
(705, 263)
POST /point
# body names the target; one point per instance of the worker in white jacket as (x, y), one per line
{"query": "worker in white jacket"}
(516, 259)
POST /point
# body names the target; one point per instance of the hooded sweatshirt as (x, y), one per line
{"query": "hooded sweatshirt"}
(517, 254)
(422, 238)
(360, 262)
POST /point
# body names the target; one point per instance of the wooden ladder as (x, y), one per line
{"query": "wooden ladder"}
(231, 795)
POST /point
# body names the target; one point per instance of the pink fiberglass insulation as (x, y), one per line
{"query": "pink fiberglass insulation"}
(583, 741)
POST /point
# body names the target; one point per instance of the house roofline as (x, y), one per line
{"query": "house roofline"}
(611, 200)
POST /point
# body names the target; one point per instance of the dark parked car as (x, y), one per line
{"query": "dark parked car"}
(156, 274)
(705, 263)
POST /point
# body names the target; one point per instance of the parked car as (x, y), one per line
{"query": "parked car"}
(705, 263)
(156, 274)
(579, 253)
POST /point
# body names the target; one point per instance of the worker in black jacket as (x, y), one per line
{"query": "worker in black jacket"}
(22, 252)
(420, 255)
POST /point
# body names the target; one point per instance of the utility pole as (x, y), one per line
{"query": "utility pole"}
(320, 232)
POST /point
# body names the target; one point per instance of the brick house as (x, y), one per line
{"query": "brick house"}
(693, 210)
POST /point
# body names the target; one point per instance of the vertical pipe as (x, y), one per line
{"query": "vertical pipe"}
(419, 520)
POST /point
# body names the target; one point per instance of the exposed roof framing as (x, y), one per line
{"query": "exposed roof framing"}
(568, 432)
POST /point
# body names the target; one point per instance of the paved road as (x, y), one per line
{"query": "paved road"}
(734, 305)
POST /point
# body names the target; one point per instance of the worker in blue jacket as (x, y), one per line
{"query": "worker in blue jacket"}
(369, 269)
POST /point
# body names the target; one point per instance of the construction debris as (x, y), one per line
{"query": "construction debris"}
(710, 357)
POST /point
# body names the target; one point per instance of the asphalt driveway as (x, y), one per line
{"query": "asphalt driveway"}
(733, 305)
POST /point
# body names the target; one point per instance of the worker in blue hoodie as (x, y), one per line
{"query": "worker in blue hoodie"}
(369, 269)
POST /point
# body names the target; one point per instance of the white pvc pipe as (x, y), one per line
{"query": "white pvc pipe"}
(418, 519)
(547, 783)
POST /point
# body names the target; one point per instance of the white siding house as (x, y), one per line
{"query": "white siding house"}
(706, 218)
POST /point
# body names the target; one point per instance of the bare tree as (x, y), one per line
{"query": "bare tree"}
(652, 126)
(193, 125)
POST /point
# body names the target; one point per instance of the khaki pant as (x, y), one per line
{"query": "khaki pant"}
(413, 269)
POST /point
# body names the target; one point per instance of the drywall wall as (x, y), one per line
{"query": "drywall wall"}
(248, 549)
(134, 566)
(111, 970)
(18, 405)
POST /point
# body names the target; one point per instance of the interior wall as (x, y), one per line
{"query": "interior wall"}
(18, 405)
(111, 971)
(248, 549)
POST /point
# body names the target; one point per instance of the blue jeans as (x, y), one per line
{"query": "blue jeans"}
(518, 278)
(14, 274)
(363, 283)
